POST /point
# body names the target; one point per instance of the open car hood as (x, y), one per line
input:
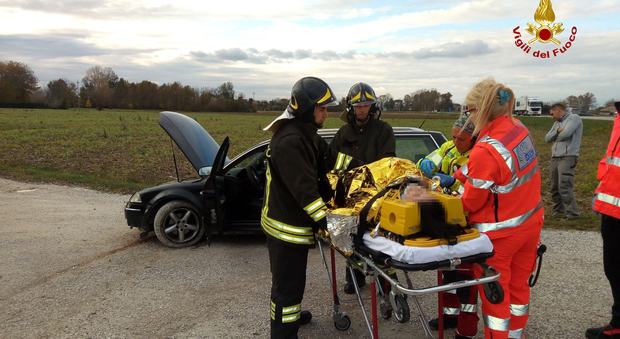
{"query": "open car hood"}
(193, 140)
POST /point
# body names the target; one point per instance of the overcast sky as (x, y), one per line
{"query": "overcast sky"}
(263, 47)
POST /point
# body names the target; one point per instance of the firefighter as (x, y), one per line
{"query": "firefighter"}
(364, 137)
(607, 202)
(502, 196)
(296, 193)
(460, 305)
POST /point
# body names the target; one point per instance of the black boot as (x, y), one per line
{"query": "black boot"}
(349, 287)
(448, 322)
(305, 317)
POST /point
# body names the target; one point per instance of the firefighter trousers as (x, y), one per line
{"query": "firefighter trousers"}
(462, 303)
(288, 281)
(514, 258)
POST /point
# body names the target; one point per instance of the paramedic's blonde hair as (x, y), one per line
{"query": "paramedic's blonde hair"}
(485, 97)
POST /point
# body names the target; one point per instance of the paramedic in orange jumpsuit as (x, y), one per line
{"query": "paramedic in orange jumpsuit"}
(502, 196)
(607, 203)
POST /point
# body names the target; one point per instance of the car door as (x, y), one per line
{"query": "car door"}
(214, 195)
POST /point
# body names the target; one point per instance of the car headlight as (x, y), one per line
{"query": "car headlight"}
(136, 198)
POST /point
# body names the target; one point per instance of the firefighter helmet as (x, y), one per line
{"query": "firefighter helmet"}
(309, 92)
(361, 94)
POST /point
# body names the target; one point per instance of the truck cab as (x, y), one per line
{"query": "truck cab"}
(525, 105)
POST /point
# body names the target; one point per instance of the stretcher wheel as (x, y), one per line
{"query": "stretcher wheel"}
(343, 324)
(385, 309)
(401, 312)
(494, 292)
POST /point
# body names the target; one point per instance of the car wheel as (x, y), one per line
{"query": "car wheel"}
(178, 224)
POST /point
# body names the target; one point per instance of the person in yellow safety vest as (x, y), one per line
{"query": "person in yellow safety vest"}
(460, 305)
(296, 194)
(453, 154)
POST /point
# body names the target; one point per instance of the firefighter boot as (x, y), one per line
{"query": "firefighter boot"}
(305, 317)
(448, 322)
(349, 287)
(606, 332)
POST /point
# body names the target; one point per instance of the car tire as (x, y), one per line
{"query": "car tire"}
(178, 224)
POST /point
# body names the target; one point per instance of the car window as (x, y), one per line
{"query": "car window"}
(414, 147)
(255, 156)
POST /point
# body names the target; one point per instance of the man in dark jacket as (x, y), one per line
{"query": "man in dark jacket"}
(364, 137)
(296, 194)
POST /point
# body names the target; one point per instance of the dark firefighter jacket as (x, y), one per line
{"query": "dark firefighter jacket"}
(298, 160)
(370, 142)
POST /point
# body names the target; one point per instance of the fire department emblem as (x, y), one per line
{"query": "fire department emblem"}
(544, 16)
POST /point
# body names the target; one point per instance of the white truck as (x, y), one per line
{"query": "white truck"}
(528, 106)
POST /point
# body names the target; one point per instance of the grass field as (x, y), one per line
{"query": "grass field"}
(122, 151)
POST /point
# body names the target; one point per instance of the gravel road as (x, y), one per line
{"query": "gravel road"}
(71, 268)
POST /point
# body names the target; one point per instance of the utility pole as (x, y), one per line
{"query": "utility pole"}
(78, 93)
(252, 96)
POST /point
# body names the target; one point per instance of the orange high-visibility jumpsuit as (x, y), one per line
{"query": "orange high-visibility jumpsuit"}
(607, 202)
(502, 195)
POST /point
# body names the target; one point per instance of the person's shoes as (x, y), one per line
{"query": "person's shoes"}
(572, 217)
(305, 317)
(461, 337)
(448, 322)
(349, 287)
(605, 332)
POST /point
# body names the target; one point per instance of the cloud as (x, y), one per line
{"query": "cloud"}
(454, 50)
(254, 56)
(67, 45)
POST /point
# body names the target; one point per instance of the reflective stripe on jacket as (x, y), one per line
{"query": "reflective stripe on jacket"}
(502, 180)
(607, 199)
(448, 160)
(293, 207)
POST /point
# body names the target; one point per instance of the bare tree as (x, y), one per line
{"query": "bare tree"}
(587, 101)
(99, 82)
(385, 101)
(610, 103)
(572, 100)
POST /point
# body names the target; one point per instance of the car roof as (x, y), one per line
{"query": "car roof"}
(331, 132)
(327, 132)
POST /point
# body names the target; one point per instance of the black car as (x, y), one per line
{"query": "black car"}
(227, 197)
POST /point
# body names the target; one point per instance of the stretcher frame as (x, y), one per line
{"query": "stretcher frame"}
(395, 300)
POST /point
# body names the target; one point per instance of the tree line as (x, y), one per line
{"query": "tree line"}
(102, 88)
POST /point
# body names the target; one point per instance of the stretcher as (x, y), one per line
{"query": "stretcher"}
(378, 258)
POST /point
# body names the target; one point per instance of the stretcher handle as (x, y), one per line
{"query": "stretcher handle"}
(491, 275)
